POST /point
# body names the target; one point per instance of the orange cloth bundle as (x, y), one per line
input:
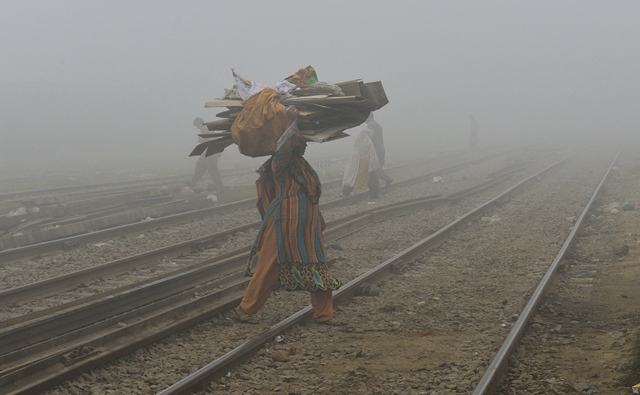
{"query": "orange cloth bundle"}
(260, 124)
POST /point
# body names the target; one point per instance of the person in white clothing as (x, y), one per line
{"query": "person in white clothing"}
(362, 170)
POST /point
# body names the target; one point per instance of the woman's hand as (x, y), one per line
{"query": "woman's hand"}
(292, 113)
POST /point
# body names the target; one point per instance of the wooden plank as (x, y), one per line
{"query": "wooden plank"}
(230, 103)
(218, 146)
(228, 114)
(332, 132)
(220, 124)
(212, 147)
(375, 93)
(216, 134)
(327, 100)
(324, 136)
(308, 114)
(351, 88)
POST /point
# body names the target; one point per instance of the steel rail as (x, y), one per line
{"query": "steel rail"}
(113, 303)
(200, 379)
(58, 210)
(515, 168)
(68, 281)
(115, 220)
(75, 190)
(116, 338)
(497, 369)
(48, 192)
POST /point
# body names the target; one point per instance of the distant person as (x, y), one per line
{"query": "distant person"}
(362, 170)
(378, 143)
(206, 164)
(473, 133)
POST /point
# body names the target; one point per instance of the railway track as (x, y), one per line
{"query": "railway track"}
(86, 190)
(165, 259)
(76, 234)
(40, 215)
(584, 335)
(78, 191)
(86, 355)
(449, 374)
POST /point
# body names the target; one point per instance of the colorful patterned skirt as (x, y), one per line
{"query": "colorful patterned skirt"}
(310, 276)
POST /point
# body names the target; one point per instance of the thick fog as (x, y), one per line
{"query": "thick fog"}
(118, 83)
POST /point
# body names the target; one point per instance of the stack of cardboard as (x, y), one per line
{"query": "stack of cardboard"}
(321, 118)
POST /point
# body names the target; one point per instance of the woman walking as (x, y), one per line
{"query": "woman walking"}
(289, 248)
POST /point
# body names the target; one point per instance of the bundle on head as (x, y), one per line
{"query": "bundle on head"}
(260, 124)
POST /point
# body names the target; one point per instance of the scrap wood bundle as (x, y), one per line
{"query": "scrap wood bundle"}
(258, 118)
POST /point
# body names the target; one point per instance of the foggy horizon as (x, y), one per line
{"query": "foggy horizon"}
(119, 83)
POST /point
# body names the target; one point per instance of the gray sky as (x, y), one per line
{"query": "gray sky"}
(114, 80)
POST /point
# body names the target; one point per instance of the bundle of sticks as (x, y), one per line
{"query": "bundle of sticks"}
(322, 117)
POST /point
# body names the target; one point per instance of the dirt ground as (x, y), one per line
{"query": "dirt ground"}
(583, 337)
